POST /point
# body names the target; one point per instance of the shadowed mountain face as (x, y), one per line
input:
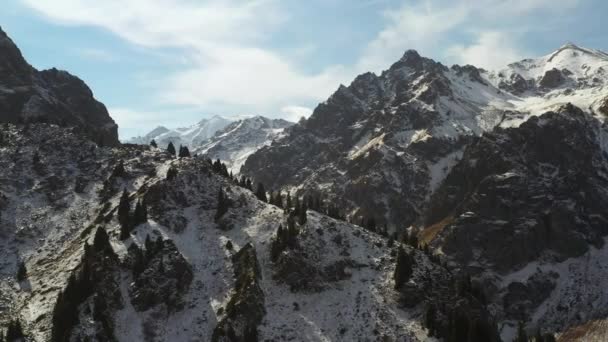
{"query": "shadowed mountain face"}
(50, 96)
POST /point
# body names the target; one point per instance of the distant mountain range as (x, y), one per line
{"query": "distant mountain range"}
(191, 137)
(220, 138)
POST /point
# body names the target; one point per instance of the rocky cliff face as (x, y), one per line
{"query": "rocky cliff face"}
(380, 145)
(51, 96)
(522, 207)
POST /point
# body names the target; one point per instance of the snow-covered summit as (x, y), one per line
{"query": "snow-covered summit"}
(191, 136)
(237, 141)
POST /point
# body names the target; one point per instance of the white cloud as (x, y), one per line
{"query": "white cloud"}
(428, 26)
(295, 113)
(220, 41)
(410, 27)
(492, 50)
(130, 118)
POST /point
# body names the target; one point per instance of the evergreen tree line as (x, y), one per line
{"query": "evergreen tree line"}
(129, 220)
(285, 238)
(184, 152)
(223, 204)
(81, 284)
(141, 258)
(220, 168)
(403, 267)
(300, 206)
(464, 317)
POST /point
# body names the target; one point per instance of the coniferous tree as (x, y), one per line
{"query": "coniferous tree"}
(14, 332)
(217, 166)
(153, 143)
(171, 149)
(285, 238)
(371, 224)
(139, 259)
(413, 239)
(302, 214)
(296, 206)
(288, 204)
(260, 193)
(149, 245)
(124, 215)
(21, 271)
(171, 173)
(119, 169)
(224, 170)
(278, 199)
(522, 336)
(249, 184)
(101, 241)
(184, 152)
(403, 268)
(310, 202)
(141, 213)
(222, 204)
(429, 319)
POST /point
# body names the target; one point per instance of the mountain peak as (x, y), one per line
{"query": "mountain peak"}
(410, 53)
(569, 45)
(575, 49)
(411, 58)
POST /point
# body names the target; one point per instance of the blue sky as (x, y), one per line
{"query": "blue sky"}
(174, 62)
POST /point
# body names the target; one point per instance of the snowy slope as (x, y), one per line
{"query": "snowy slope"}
(50, 211)
(570, 74)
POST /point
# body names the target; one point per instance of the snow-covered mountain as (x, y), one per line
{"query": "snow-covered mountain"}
(501, 176)
(237, 141)
(499, 171)
(382, 145)
(191, 137)
(220, 138)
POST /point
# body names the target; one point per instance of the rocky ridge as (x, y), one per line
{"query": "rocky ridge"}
(51, 96)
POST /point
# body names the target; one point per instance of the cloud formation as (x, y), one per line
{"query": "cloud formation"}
(221, 42)
(431, 26)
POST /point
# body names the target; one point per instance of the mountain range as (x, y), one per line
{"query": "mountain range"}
(425, 203)
(220, 138)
